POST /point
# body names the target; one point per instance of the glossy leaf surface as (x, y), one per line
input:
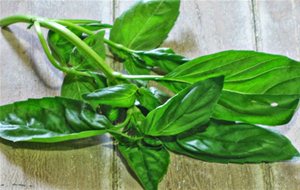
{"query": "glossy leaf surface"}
(146, 24)
(256, 108)
(238, 143)
(50, 120)
(246, 72)
(149, 164)
(122, 95)
(163, 58)
(189, 108)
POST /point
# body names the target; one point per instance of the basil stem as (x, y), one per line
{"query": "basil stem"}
(51, 58)
(65, 33)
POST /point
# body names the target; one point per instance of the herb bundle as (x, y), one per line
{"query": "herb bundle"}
(217, 102)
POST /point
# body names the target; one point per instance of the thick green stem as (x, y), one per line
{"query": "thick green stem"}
(118, 46)
(80, 21)
(149, 77)
(58, 26)
(50, 57)
(74, 26)
(70, 36)
(84, 30)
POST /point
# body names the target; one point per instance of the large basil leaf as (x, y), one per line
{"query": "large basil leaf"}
(238, 143)
(83, 62)
(149, 164)
(122, 95)
(246, 72)
(250, 77)
(256, 108)
(50, 120)
(189, 108)
(75, 86)
(163, 58)
(145, 25)
(147, 99)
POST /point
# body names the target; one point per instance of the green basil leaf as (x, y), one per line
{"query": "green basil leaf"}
(111, 113)
(83, 62)
(245, 72)
(164, 58)
(50, 120)
(256, 108)
(189, 108)
(135, 67)
(136, 120)
(240, 143)
(122, 95)
(75, 86)
(249, 77)
(149, 164)
(147, 99)
(146, 24)
(263, 109)
(60, 47)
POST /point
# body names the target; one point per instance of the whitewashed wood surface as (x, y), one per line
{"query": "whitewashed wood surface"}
(204, 26)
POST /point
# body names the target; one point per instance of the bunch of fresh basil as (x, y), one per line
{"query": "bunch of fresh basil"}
(217, 99)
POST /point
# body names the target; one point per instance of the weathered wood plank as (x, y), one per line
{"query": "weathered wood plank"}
(26, 73)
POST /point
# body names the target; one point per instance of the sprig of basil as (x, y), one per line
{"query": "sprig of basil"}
(212, 95)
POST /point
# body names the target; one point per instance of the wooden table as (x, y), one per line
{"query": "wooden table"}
(203, 27)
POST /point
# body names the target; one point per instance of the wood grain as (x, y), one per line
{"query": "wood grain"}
(203, 27)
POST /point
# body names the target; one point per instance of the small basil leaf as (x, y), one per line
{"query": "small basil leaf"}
(147, 99)
(111, 113)
(75, 86)
(256, 108)
(246, 72)
(83, 62)
(149, 164)
(50, 120)
(122, 95)
(238, 143)
(136, 120)
(189, 108)
(135, 67)
(146, 24)
(60, 47)
(164, 58)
